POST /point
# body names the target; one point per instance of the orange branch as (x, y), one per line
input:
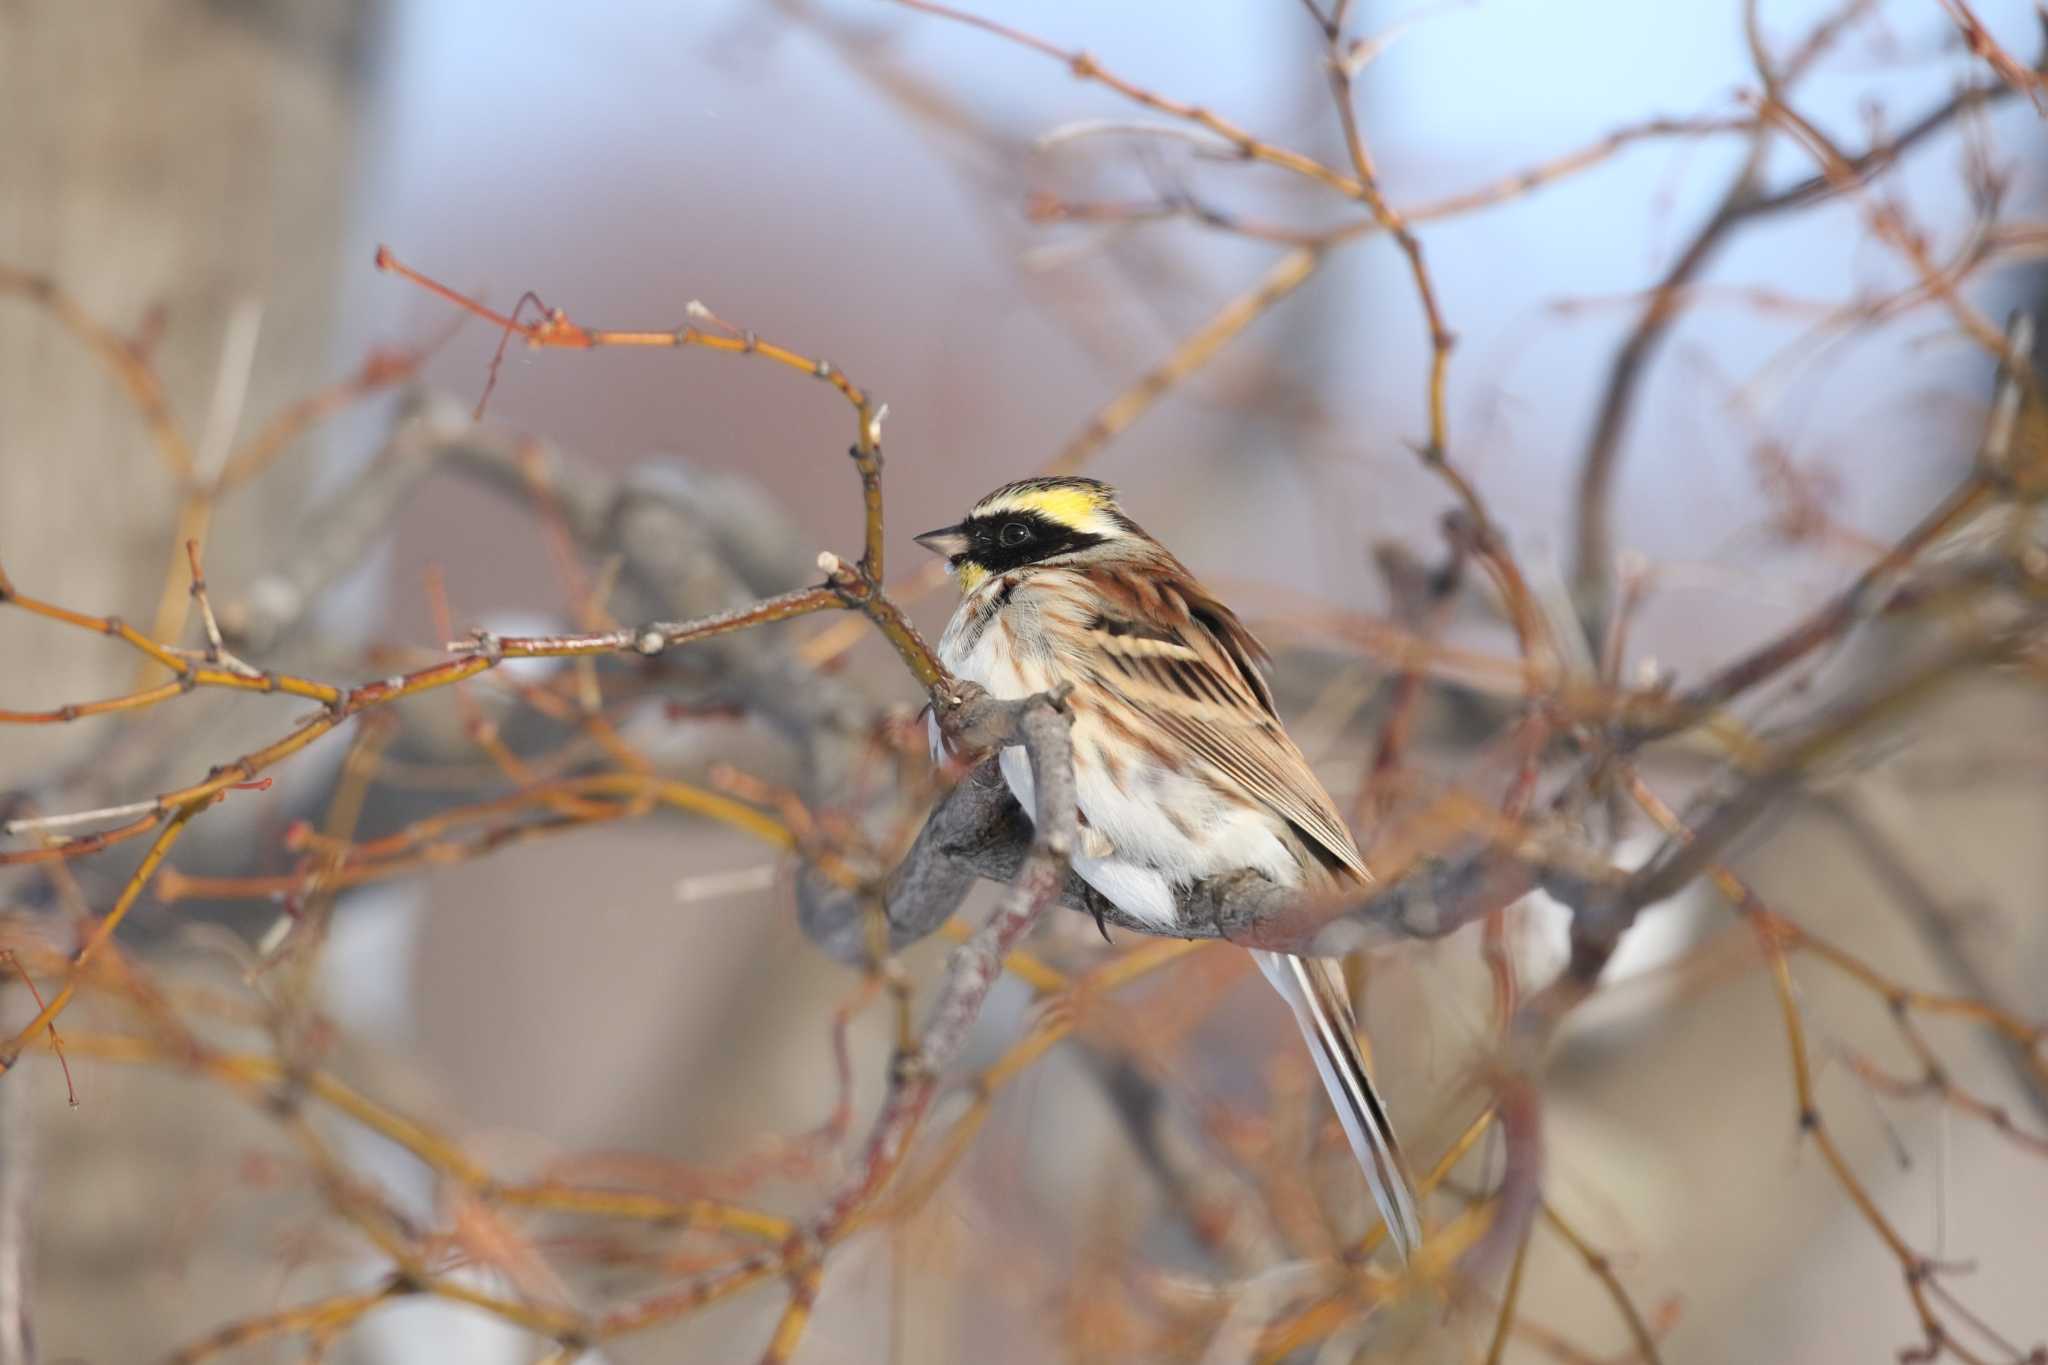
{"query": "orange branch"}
(104, 930)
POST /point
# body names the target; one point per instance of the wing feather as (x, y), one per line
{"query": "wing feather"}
(1185, 663)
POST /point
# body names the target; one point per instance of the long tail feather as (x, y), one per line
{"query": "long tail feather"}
(1312, 989)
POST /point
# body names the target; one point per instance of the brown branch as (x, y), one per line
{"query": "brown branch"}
(556, 331)
(122, 357)
(1086, 68)
(1421, 600)
(1456, 860)
(1436, 450)
(379, 371)
(1939, 925)
(1190, 354)
(1510, 1295)
(971, 719)
(1918, 1272)
(1867, 594)
(131, 891)
(8, 956)
(2010, 69)
(591, 799)
(262, 1080)
(1601, 919)
(1602, 1269)
(480, 654)
(1744, 202)
(319, 1317)
(1519, 183)
(1040, 727)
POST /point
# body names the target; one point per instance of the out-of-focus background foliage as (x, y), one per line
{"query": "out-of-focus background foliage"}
(853, 179)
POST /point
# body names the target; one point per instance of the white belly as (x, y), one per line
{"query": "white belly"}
(1151, 830)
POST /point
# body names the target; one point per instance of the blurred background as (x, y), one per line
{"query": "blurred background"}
(907, 196)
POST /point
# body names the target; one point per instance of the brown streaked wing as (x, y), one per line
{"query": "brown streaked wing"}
(1183, 661)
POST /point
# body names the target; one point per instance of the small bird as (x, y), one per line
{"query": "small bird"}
(1182, 769)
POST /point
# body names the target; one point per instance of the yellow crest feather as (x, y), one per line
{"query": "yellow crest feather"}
(1075, 505)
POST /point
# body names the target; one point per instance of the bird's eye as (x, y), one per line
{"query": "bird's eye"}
(1015, 533)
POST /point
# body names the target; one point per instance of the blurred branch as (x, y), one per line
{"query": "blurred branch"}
(1991, 473)
(17, 1245)
(970, 719)
(2009, 68)
(124, 359)
(702, 562)
(1744, 202)
(1436, 450)
(1086, 68)
(1775, 935)
(1040, 727)
(1942, 925)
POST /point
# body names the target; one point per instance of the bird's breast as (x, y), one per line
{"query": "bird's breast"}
(997, 639)
(1144, 808)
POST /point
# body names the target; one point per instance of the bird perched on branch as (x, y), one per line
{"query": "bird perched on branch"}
(1182, 768)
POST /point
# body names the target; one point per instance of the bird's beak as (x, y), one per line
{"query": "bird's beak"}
(947, 541)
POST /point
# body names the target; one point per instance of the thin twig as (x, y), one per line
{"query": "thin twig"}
(1745, 201)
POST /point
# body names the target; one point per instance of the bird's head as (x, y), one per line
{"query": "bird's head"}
(1032, 521)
